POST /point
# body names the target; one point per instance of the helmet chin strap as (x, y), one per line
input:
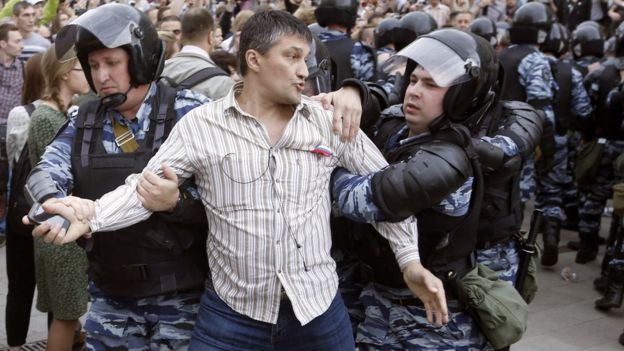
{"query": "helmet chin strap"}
(116, 99)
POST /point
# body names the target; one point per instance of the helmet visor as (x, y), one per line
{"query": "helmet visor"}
(444, 65)
(113, 30)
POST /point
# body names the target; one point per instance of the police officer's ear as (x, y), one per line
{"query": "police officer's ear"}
(253, 59)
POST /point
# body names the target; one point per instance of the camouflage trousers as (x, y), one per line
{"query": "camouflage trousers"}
(570, 190)
(161, 323)
(502, 258)
(392, 326)
(593, 197)
(551, 183)
(350, 286)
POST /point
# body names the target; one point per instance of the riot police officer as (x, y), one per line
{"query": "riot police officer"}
(384, 41)
(350, 59)
(146, 279)
(485, 28)
(528, 78)
(605, 133)
(572, 109)
(452, 77)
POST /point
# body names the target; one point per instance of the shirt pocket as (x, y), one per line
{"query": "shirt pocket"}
(307, 178)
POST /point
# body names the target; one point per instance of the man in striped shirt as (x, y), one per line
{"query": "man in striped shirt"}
(262, 158)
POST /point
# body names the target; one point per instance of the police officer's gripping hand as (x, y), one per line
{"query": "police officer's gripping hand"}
(347, 105)
(66, 208)
(158, 194)
(429, 289)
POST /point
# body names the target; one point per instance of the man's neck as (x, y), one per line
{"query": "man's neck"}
(25, 35)
(6, 60)
(201, 45)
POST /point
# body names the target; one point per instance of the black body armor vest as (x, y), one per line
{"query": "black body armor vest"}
(152, 257)
(340, 53)
(446, 243)
(501, 212)
(564, 120)
(607, 125)
(510, 58)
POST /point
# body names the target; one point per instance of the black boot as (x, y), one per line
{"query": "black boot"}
(588, 248)
(572, 218)
(550, 235)
(600, 284)
(613, 296)
(621, 340)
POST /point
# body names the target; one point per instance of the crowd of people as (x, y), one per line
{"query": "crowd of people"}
(296, 174)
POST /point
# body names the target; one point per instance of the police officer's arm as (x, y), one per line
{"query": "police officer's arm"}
(178, 204)
(389, 194)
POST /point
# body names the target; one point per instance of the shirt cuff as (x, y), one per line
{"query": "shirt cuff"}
(406, 255)
(94, 223)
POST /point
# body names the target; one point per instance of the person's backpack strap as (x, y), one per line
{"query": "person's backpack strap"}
(201, 76)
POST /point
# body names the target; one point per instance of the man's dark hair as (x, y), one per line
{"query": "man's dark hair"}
(171, 18)
(264, 29)
(5, 28)
(197, 23)
(20, 6)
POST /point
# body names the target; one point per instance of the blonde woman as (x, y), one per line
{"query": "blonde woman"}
(61, 271)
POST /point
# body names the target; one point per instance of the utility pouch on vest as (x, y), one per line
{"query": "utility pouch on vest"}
(496, 306)
(588, 161)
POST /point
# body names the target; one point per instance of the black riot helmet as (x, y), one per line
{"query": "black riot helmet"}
(587, 40)
(558, 40)
(462, 61)
(412, 26)
(115, 26)
(531, 24)
(384, 32)
(341, 12)
(485, 28)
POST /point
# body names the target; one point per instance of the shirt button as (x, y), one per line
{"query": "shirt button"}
(277, 242)
(279, 271)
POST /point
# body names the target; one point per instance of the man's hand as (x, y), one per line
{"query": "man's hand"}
(347, 105)
(54, 233)
(429, 289)
(159, 194)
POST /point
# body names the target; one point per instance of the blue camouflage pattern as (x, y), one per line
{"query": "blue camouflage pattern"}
(163, 322)
(537, 79)
(56, 160)
(594, 196)
(389, 325)
(362, 58)
(527, 180)
(503, 258)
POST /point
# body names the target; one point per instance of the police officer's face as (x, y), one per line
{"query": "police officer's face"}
(283, 70)
(109, 71)
(423, 101)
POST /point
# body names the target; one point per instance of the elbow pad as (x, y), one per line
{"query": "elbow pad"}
(490, 156)
(406, 188)
(523, 125)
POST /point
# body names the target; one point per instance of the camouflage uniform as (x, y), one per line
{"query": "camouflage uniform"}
(502, 257)
(362, 59)
(580, 108)
(388, 324)
(163, 322)
(593, 197)
(142, 324)
(537, 79)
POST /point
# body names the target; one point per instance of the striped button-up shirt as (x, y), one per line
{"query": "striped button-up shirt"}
(268, 206)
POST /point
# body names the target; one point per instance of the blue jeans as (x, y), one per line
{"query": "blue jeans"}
(219, 327)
